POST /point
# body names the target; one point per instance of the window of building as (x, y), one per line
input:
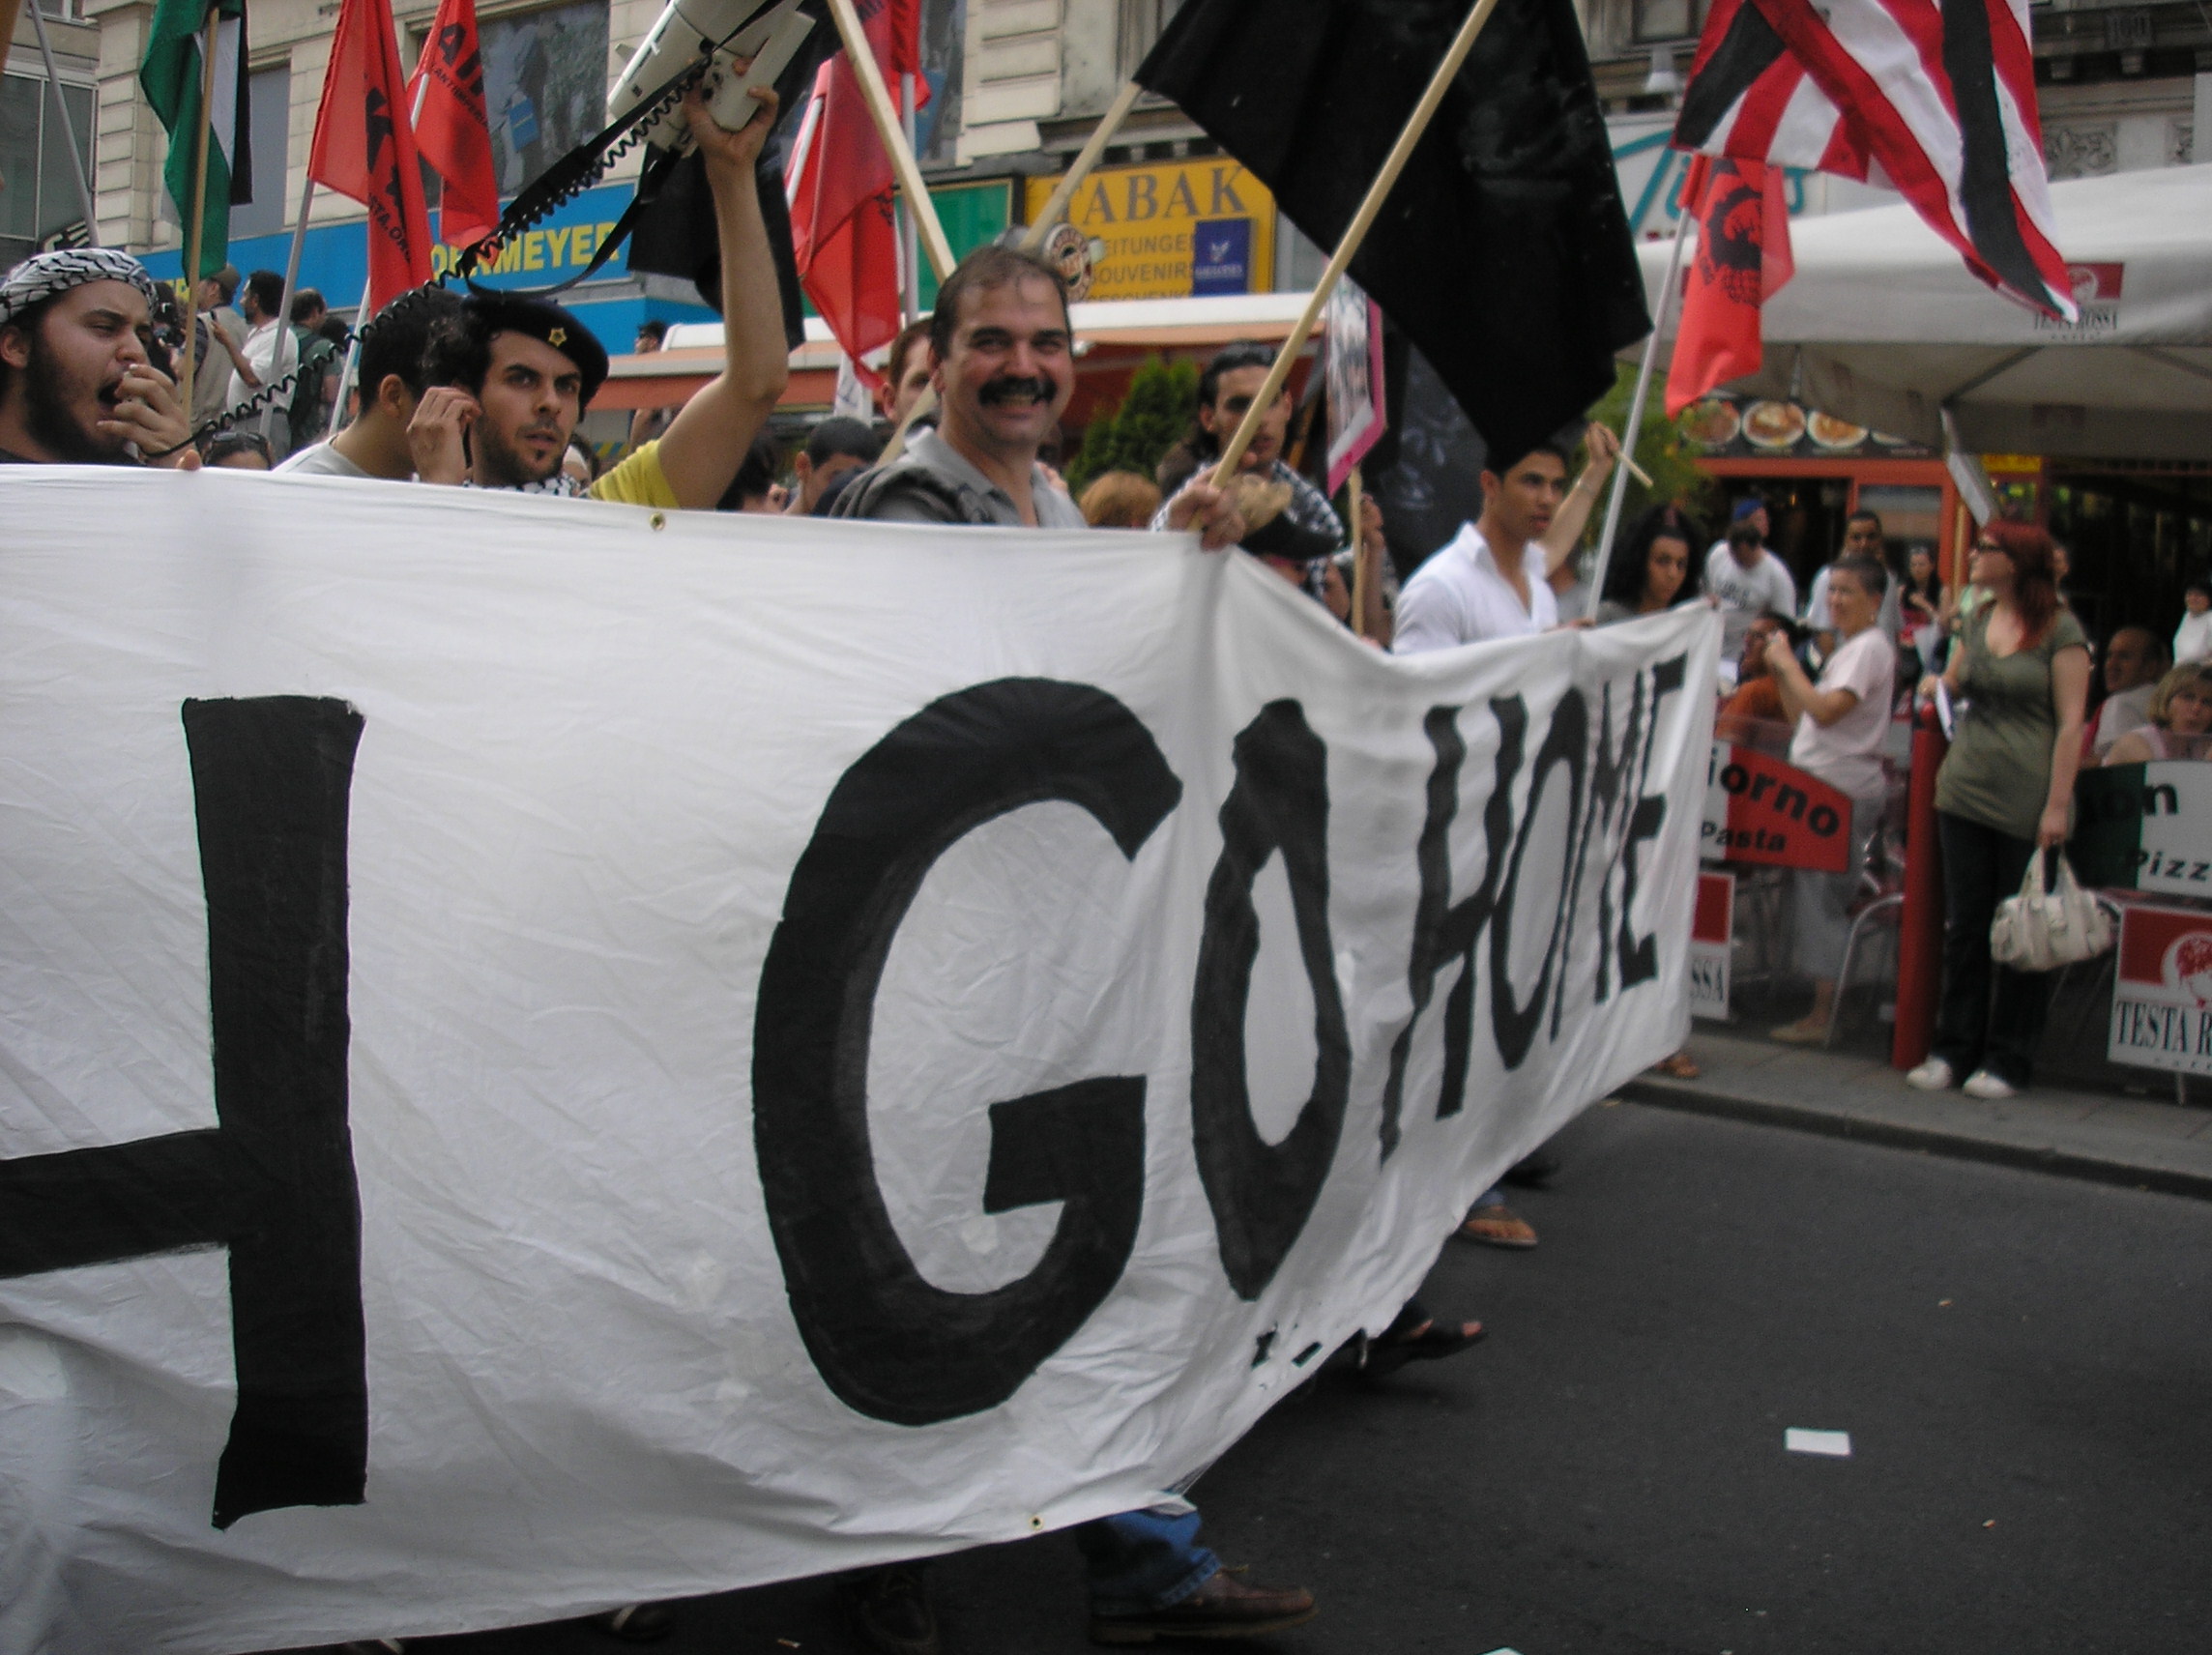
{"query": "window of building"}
(38, 189)
(1142, 22)
(269, 134)
(545, 86)
(1665, 19)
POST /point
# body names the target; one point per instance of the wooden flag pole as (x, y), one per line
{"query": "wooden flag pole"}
(888, 127)
(196, 213)
(1620, 495)
(1361, 222)
(1080, 168)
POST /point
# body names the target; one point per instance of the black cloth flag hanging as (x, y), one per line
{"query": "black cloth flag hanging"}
(1503, 252)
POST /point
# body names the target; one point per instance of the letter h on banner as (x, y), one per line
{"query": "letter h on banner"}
(274, 1180)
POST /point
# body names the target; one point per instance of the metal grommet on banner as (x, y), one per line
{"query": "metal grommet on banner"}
(661, 519)
(1036, 1525)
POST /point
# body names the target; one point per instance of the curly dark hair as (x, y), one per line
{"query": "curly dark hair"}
(1625, 576)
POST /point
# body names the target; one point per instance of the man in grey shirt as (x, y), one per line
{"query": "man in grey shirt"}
(1005, 370)
(390, 369)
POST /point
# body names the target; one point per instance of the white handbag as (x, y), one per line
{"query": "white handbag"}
(2039, 930)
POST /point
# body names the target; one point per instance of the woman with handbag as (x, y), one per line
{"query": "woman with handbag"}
(2021, 668)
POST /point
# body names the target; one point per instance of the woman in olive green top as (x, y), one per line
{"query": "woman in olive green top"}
(2022, 669)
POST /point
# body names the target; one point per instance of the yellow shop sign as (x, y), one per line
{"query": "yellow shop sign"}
(1167, 231)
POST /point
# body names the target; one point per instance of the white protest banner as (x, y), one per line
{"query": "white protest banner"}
(554, 1055)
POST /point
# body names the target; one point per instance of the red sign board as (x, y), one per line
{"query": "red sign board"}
(2162, 998)
(1759, 809)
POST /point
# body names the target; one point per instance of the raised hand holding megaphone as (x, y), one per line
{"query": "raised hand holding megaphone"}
(762, 36)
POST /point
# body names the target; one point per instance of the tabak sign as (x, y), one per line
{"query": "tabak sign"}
(1759, 809)
(2162, 999)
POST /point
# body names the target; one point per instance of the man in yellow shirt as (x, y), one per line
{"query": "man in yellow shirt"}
(511, 377)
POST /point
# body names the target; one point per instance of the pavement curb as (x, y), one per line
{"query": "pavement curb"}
(1693, 1099)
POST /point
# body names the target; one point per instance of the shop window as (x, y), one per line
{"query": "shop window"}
(545, 86)
(269, 118)
(1651, 21)
(38, 189)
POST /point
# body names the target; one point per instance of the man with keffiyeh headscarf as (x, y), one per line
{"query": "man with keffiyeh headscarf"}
(77, 380)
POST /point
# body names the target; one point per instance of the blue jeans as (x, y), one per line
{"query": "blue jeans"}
(1142, 1560)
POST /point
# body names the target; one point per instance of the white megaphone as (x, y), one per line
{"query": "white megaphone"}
(721, 31)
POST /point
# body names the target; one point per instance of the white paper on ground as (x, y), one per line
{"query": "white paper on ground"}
(1836, 1445)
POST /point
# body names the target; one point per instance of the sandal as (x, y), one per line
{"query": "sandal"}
(636, 1623)
(1681, 1066)
(1498, 1226)
(1414, 1338)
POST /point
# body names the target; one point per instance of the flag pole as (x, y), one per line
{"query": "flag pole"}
(284, 306)
(197, 213)
(1620, 495)
(908, 171)
(69, 127)
(1361, 222)
(910, 250)
(1094, 147)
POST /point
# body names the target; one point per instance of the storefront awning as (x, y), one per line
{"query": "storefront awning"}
(1884, 327)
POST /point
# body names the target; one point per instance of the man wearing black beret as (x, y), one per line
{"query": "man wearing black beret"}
(508, 377)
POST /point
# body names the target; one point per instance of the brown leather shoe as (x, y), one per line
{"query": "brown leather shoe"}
(1222, 1607)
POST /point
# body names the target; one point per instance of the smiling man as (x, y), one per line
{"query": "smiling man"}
(509, 377)
(78, 380)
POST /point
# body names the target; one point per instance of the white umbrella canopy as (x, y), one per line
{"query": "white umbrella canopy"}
(1884, 327)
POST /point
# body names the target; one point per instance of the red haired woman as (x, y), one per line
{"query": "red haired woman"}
(2021, 670)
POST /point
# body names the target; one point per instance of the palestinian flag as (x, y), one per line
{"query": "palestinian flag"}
(173, 75)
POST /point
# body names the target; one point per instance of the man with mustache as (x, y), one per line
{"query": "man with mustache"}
(78, 380)
(1003, 366)
(1003, 369)
(509, 377)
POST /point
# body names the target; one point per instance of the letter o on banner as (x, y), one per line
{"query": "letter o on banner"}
(889, 1343)
(1823, 821)
(1262, 1194)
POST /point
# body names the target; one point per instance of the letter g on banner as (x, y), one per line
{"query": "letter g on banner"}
(889, 1343)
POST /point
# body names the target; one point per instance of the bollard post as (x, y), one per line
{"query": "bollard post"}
(1920, 924)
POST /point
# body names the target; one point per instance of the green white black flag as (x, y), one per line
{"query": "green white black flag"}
(173, 75)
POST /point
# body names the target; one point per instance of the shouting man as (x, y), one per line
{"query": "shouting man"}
(78, 385)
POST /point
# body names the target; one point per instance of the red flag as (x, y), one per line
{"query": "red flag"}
(450, 127)
(840, 186)
(1742, 260)
(903, 21)
(364, 148)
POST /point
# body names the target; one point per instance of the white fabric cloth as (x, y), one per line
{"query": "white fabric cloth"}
(1848, 753)
(1458, 596)
(2128, 710)
(322, 460)
(2192, 638)
(262, 343)
(1745, 595)
(717, 907)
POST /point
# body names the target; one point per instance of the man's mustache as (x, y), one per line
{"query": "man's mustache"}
(1012, 386)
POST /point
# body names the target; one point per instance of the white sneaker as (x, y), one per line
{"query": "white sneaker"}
(1935, 1075)
(1984, 1085)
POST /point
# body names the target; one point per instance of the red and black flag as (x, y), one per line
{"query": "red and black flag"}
(451, 125)
(1503, 252)
(1742, 260)
(1932, 98)
(364, 148)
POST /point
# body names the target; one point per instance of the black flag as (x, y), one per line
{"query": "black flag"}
(1503, 252)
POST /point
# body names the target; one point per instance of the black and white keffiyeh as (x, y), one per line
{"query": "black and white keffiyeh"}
(43, 275)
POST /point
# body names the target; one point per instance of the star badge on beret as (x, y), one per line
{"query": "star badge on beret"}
(556, 336)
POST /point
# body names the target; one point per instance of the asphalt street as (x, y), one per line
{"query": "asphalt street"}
(2023, 1364)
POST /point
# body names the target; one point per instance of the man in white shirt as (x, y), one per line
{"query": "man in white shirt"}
(262, 302)
(1842, 724)
(1746, 579)
(1491, 579)
(2135, 661)
(1862, 538)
